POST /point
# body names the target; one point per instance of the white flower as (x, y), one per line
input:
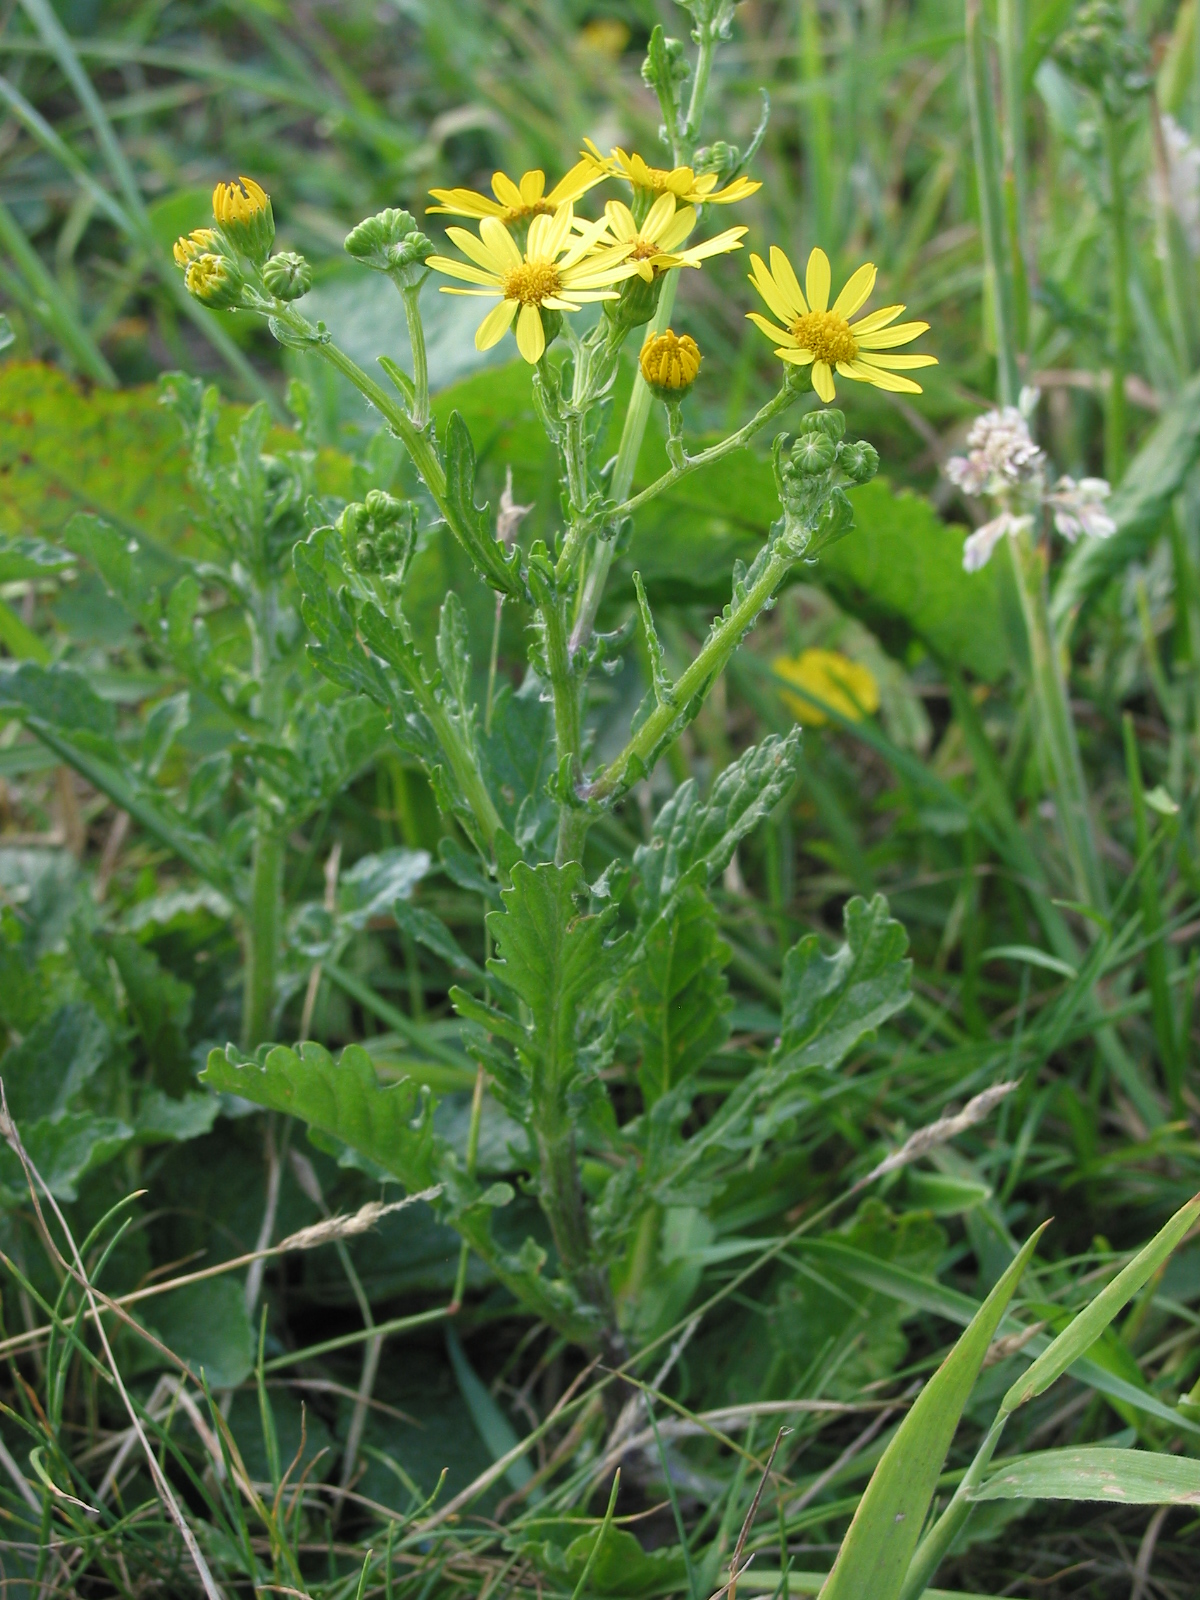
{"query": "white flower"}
(977, 551)
(1079, 508)
(1001, 454)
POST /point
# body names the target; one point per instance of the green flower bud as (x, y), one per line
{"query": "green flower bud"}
(391, 242)
(859, 461)
(378, 533)
(287, 275)
(637, 303)
(828, 420)
(813, 453)
(1099, 51)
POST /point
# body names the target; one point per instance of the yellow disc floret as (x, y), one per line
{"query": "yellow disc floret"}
(532, 282)
(669, 364)
(827, 335)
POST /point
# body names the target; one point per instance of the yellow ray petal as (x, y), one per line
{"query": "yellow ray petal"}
(891, 381)
(582, 177)
(506, 191)
(533, 187)
(463, 203)
(856, 292)
(659, 214)
(500, 242)
(535, 243)
(798, 358)
(769, 328)
(463, 270)
(789, 285)
(816, 282)
(531, 336)
(876, 319)
(481, 294)
(774, 297)
(678, 228)
(620, 220)
(495, 325)
(729, 240)
(822, 376)
(896, 363)
(472, 245)
(887, 338)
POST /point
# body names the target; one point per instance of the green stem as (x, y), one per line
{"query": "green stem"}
(694, 680)
(991, 204)
(1116, 426)
(1157, 976)
(704, 62)
(1011, 28)
(1058, 725)
(736, 441)
(264, 920)
(416, 339)
(933, 1547)
(632, 434)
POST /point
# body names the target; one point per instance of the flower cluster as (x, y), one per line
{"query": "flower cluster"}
(1005, 464)
(226, 266)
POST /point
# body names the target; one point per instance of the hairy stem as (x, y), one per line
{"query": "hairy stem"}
(264, 919)
(416, 339)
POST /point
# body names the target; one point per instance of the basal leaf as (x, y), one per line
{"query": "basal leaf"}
(52, 1063)
(208, 1326)
(62, 1148)
(344, 1099)
(830, 1002)
(1120, 1477)
(875, 1554)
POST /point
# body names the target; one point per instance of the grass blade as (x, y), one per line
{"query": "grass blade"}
(1121, 1477)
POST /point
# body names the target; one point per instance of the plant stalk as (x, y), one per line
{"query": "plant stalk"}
(1116, 424)
(988, 166)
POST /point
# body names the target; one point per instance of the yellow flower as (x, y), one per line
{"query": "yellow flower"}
(517, 202)
(682, 182)
(214, 280)
(813, 331)
(557, 271)
(243, 209)
(669, 364)
(197, 243)
(845, 686)
(656, 243)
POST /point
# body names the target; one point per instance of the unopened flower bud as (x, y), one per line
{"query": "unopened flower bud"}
(391, 242)
(201, 241)
(288, 276)
(827, 420)
(859, 461)
(243, 210)
(215, 281)
(670, 364)
(813, 453)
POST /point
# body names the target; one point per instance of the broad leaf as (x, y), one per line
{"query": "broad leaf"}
(830, 1002)
(1121, 1477)
(342, 1099)
(208, 1326)
(52, 1063)
(677, 994)
(875, 1554)
(62, 1148)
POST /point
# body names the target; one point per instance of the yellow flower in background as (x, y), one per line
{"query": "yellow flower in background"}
(682, 182)
(605, 36)
(517, 202)
(669, 364)
(559, 270)
(813, 331)
(656, 243)
(845, 686)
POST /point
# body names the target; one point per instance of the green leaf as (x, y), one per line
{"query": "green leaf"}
(161, 1007)
(663, 692)
(875, 1554)
(433, 933)
(1120, 1477)
(342, 1099)
(56, 697)
(62, 1148)
(162, 1119)
(31, 558)
(830, 1002)
(471, 523)
(130, 568)
(552, 958)
(52, 1063)
(1091, 1322)
(207, 1325)
(622, 1568)
(677, 994)
(695, 836)
(1152, 480)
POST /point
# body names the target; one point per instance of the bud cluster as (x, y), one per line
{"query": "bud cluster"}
(1101, 52)
(391, 242)
(378, 534)
(228, 267)
(815, 508)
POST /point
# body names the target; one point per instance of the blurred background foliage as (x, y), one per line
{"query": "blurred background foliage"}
(121, 967)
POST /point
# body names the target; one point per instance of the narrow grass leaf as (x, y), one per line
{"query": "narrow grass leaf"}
(1122, 1477)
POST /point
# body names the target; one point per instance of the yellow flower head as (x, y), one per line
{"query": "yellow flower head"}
(243, 210)
(214, 280)
(656, 241)
(669, 364)
(845, 686)
(199, 242)
(558, 270)
(517, 202)
(813, 331)
(682, 182)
